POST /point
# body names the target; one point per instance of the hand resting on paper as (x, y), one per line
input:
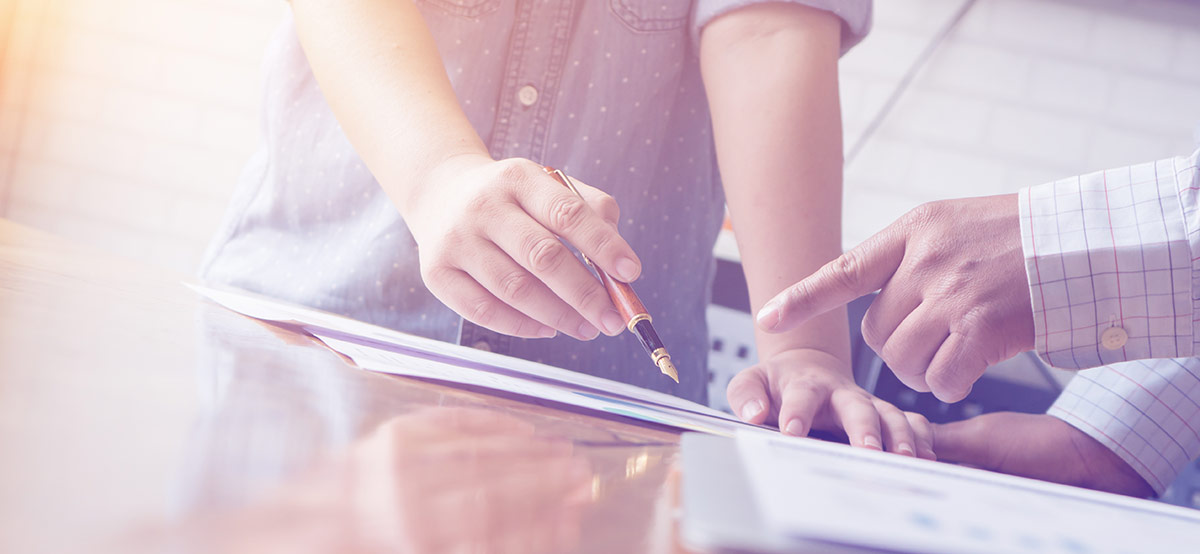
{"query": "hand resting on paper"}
(803, 390)
(1039, 446)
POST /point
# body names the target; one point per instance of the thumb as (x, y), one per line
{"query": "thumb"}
(862, 270)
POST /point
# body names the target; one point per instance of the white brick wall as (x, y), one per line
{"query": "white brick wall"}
(1024, 91)
(127, 121)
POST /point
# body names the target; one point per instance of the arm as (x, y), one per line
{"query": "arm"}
(1088, 270)
(770, 71)
(487, 230)
(1128, 428)
(380, 71)
(1038, 446)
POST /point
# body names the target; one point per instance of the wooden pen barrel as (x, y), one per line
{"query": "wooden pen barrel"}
(627, 302)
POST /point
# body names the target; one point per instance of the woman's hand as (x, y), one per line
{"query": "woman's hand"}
(486, 229)
(488, 233)
(806, 389)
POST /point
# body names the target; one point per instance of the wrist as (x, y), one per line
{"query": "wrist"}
(441, 170)
(819, 355)
(828, 334)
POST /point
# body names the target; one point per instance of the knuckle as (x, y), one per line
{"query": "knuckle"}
(846, 271)
(885, 408)
(435, 273)
(516, 285)
(593, 298)
(923, 213)
(482, 312)
(896, 359)
(527, 327)
(603, 240)
(477, 205)
(546, 254)
(917, 420)
(514, 171)
(927, 253)
(565, 319)
(566, 212)
(977, 322)
(456, 239)
(607, 205)
(853, 396)
(804, 387)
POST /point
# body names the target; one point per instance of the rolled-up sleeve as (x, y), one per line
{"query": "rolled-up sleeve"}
(855, 15)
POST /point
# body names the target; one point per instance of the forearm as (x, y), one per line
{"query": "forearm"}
(770, 72)
(380, 71)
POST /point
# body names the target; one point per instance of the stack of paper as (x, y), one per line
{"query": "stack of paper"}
(388, 351)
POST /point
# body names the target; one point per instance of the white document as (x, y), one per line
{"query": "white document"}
(385, 350)
(807, 489)
(383, 361)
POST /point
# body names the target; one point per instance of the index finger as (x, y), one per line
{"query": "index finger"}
(862, 270)
(573, 218)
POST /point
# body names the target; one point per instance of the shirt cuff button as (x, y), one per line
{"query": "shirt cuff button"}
(1114, 338)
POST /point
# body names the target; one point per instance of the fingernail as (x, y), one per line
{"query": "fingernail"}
(905, 448)
(768, 316)
(751, 409)
(627, 269)
(872, 442)
(612, 323)
(588, 331)
(547, 332)
(794, 428)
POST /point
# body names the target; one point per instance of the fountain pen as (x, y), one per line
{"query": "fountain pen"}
(637, 319)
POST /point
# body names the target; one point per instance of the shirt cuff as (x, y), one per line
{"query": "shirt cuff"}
(1110, 265)
(1146, 412)
(855, 15)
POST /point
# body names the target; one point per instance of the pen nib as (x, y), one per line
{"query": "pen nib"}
(668, 368)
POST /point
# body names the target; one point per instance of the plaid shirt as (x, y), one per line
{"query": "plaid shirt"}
(1113, 260)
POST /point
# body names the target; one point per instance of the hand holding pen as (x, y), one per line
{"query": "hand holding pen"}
(488, 235)
(637, 318)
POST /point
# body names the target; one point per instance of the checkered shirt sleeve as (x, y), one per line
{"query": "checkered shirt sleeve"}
(1147, 412)
(1112, 255)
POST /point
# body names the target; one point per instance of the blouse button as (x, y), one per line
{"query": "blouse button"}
(527, 95)
(1114, 338)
